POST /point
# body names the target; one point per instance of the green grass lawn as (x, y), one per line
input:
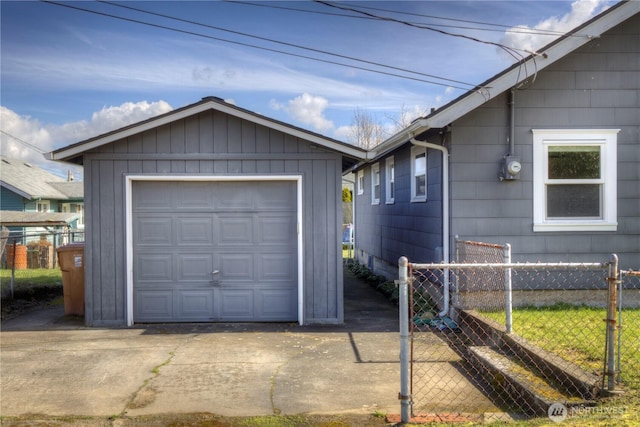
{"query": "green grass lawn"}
(30, 279)
(577, 333)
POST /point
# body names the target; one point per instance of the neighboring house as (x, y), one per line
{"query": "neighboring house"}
(212, 213)
(30, 189)
(544, 156)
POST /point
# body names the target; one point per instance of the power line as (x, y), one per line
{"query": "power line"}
(351, 58)
(192, 33)
(510, 50)
(22, 141)
(499, 27)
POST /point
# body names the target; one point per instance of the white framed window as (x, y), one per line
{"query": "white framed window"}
(389, 180)
(360, 182)
(74, 208)
(574, 179)
(375, 184)
(43, 206)
(418, 174)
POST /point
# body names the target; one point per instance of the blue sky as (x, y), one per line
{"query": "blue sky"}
(69, 74)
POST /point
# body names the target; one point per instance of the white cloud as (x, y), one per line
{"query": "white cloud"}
(18, 130)
(581, 11)
(306, 109)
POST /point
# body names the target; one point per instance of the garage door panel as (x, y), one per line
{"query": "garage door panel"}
(274, 267)
(235, 196)
(194, 195)
(154, 305)
(270, 197)
(276, 304)
(276, 230)
(236, 230)
(195, 268)
(156, 268)
(195, 305)
(194, 231)
(237, 304)
(236, 267)
(156, 195)
(154, 231)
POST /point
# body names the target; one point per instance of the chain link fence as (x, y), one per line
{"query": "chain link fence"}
(29, 260)
(517, 338)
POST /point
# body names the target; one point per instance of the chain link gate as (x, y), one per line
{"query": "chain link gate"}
(517, 338)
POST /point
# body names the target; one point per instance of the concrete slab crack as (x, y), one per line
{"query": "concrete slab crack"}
(146, 395)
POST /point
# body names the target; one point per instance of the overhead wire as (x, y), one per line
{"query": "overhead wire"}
(510, 50)
(22, 141)
(283, 43)
(500, 27)
(193, 33)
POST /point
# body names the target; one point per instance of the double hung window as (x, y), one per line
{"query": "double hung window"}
(418, 174)
(574, 180)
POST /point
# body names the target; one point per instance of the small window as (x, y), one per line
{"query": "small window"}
(574, 180)
(390, 180)
(418, 174)
(43, 206)
(375, 184)
(360, 179)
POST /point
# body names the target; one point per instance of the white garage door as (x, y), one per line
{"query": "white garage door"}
(214, 251)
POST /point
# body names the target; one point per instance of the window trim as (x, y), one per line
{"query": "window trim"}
(415, 151)
(389, 180)
(360, 182)
(43, 203)
(375, 182)
(604, 138)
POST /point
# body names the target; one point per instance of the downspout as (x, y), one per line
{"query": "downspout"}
(445, 216)
(512, 122)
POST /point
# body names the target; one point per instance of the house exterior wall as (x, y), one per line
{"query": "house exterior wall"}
(595, 87)
(385, 232)
(10, 201)
(210, 143)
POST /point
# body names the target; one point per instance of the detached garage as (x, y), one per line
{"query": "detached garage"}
(212, 213)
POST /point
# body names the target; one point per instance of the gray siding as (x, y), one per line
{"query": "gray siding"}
(597, 86)
(210, 143)
(594, 87)
(385, 232)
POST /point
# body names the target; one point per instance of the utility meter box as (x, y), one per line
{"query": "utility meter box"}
(510, 168)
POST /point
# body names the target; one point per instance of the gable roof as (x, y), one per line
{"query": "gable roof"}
(514, 76)
(73, 153)
(32, 182)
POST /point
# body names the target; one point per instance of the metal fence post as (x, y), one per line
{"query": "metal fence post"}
(612, 287)
(508, 289)
(404, 396)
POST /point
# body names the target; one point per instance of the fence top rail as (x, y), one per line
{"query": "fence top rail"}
(481, 244)
(630, 273)
(517, 265)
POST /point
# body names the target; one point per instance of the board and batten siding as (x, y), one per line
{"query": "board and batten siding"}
(595, 87)
(209, 144)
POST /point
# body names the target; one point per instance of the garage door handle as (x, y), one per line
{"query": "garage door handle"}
(215, 272)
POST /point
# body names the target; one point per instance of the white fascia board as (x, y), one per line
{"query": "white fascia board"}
(196, 109)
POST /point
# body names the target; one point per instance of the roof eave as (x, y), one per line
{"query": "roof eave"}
(511, 77)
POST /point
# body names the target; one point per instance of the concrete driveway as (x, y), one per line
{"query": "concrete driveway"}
(53, 365)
